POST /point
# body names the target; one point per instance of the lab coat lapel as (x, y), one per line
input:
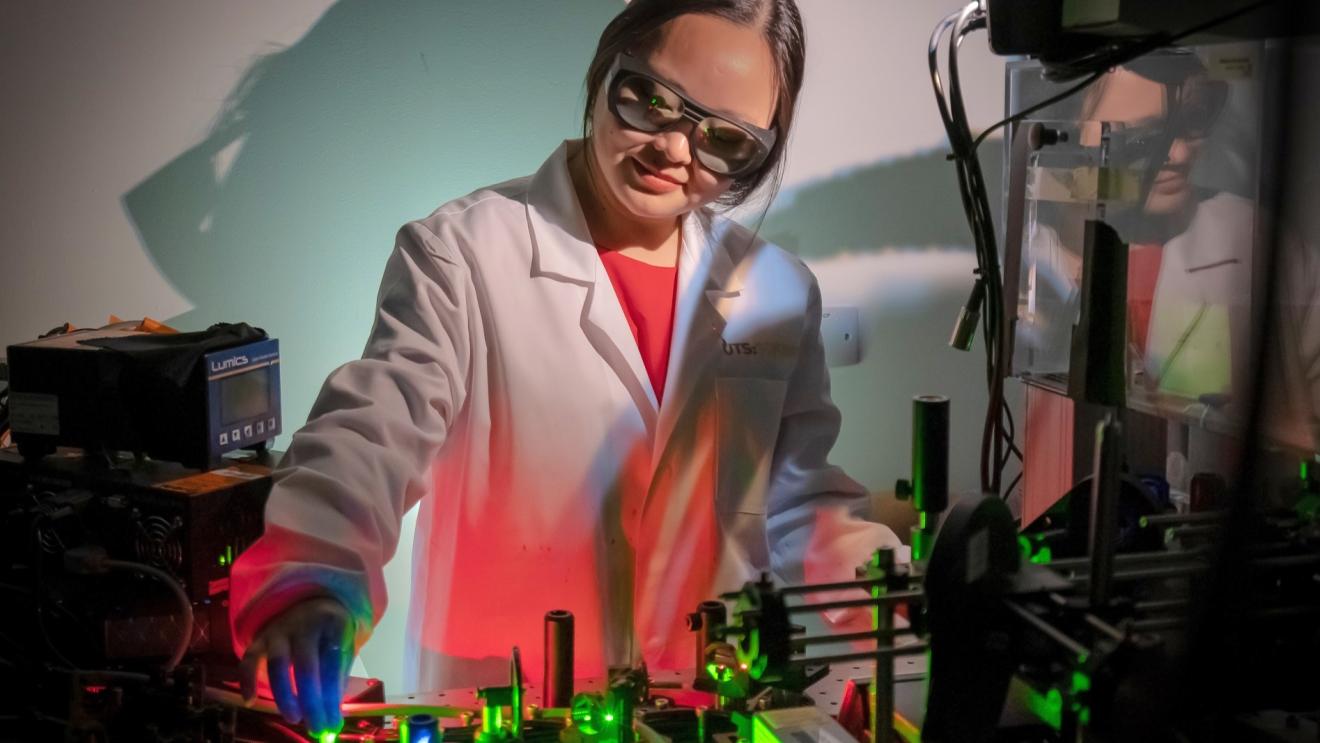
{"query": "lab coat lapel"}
(562, 250)
(707, 294)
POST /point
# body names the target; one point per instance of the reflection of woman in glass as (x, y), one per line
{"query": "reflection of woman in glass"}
(1190, 247)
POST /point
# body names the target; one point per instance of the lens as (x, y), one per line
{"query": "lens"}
(723, 147)
(645, 104)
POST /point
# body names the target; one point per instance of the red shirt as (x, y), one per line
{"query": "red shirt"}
(1143, 272)
(646, 293)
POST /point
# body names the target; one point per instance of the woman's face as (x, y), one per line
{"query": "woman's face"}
(720, 66)
(1139, 102)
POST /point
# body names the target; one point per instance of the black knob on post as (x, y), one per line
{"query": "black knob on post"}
(558, 679)
(930, 453)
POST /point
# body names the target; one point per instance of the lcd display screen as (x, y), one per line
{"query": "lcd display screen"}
(244, 396)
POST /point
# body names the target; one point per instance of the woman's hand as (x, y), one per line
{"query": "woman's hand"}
(313, 641)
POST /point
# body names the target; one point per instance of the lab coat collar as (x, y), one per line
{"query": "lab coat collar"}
(562, 250)
(561, 242)
(1207, 243)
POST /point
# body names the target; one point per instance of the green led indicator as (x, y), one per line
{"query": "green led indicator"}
(609, 718)
(329, 737)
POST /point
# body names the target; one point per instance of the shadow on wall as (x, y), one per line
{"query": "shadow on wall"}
(908, 300)
(284, 216)
(908, 297)
(904, 201)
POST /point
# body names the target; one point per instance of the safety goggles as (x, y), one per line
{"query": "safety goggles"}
(722, 144)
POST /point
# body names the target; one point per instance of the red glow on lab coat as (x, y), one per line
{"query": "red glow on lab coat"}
(657, 552)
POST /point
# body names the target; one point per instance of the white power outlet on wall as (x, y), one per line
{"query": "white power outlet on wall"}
(839, 331)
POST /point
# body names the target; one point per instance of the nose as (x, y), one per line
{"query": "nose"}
(675, 143)
(1181, 151)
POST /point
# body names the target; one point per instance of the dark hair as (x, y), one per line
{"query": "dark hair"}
(778, 20)
(1179, 72)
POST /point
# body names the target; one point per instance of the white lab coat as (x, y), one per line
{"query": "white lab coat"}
(502, 375)
(1199, 340)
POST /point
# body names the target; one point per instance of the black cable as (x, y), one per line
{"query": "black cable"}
(1010, 438)
(38, 557)
(952, 115)
(998, 443)
(184, 642)
(933, 61)
(1009, 490)
(1033, 109)
(972, 186)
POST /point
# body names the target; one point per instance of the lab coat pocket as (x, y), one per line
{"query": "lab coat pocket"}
(749, 410)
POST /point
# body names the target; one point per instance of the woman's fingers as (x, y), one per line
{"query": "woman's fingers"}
(277, 668)
(307, 674)
(308, 652)
(247, 676)
(336, 658)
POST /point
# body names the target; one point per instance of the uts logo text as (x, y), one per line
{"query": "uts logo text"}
(739, 349)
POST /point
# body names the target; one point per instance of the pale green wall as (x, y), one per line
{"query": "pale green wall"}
(377, 115)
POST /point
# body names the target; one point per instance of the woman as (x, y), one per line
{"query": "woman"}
(620, 400)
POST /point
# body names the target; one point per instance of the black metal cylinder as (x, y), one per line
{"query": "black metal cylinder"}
(713, 616)
(558, 679)
(422, 729)
(1105, 487)
(930, 453)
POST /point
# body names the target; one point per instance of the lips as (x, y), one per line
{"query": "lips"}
(1170, 179)
(645, 169)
